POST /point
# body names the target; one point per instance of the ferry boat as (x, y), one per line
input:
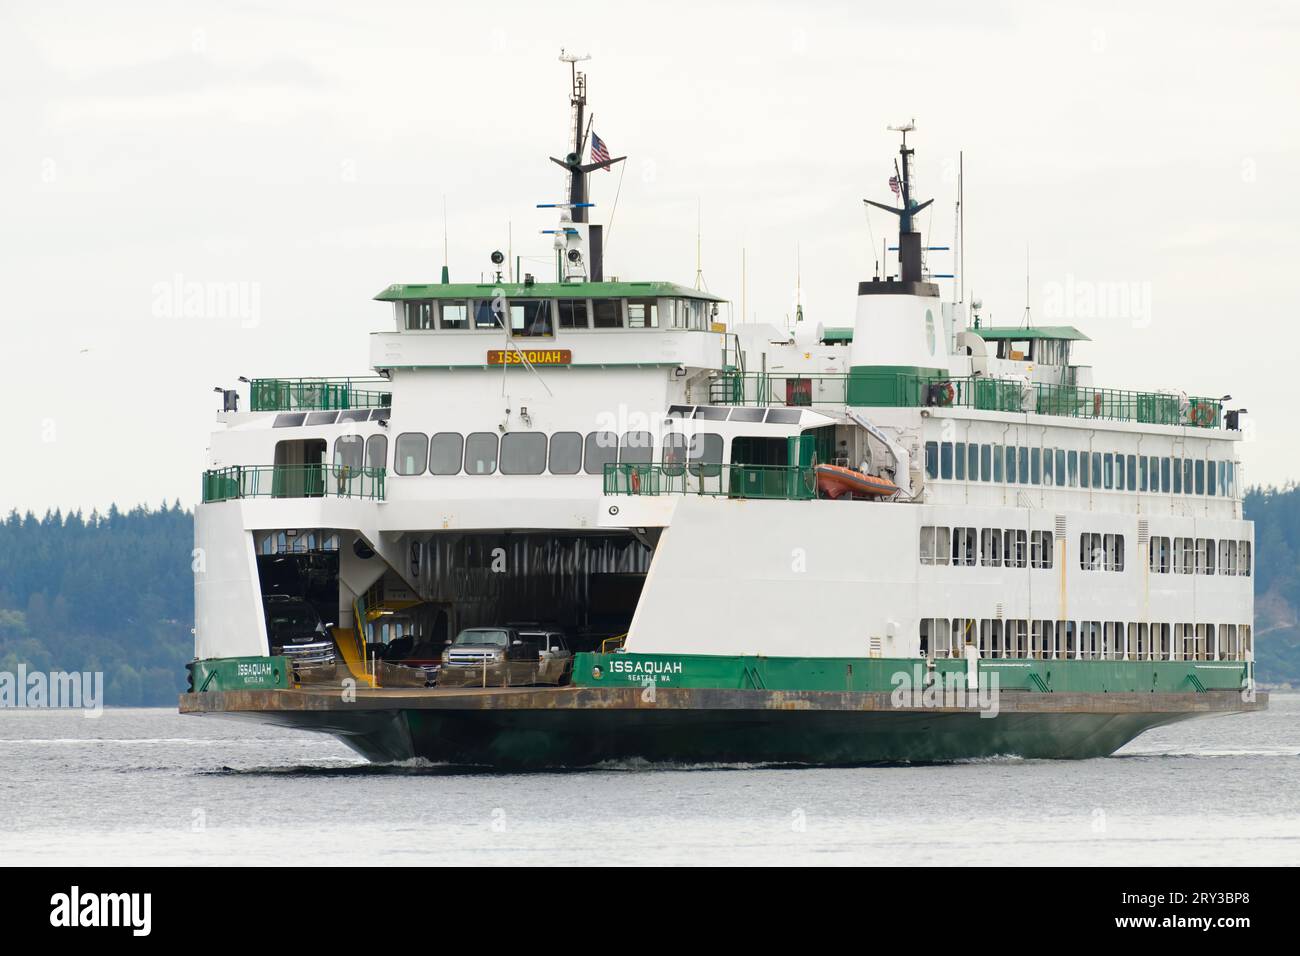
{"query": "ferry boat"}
(908, 536)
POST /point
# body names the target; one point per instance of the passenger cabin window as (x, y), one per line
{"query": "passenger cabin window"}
(566, 453)
(411, 454)
(706, 454)
(636, 448)
(488, 317)
(349, 452)
(601, 449)
(445, 450)
(481, 453)
(523, 453)
(377, 451)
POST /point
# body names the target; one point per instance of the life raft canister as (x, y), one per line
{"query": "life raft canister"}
(634, 480)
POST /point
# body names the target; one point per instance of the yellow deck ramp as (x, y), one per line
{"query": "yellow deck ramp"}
(345, 639)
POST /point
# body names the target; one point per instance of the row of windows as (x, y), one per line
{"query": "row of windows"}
(1066, 468)
(988, 547)
(1198, 556)
(533, 316)
(1085, 640)
(999, 547)
(528, 453)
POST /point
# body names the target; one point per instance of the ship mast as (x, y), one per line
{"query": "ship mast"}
(909, 240)
(578, 171)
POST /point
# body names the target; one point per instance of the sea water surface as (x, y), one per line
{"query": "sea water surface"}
(151, 786)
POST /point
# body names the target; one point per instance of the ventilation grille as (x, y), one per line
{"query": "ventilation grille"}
(1060, 527)
(1144, 531)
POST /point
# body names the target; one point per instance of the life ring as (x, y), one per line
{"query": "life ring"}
(1203, 414)
(943, 394)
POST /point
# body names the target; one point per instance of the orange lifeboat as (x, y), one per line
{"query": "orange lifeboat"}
(836, 481)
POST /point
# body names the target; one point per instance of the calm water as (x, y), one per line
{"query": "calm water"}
(146, 786)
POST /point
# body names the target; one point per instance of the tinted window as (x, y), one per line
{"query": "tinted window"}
(712, 413)
(379, 415)
(636, 447)
(411, 453)
(354, 415)
(601, 449)
(783, 416)
(748, 414)
(481, 453)
(377, 451)
(566, 453)
(684, 411)
(530, 317)
(608, 313)
(573, 314)
(321, 418)
(348, 453)
(523, 453)
(706, 449)
(675, 453)
(289, 420)
(485, 317)
(445, 453)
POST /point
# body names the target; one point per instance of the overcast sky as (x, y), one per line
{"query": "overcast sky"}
(1147, 158)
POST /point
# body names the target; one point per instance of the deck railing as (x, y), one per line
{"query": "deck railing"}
(316, 394)
(972, 391)
(293, 481)
(788, 482)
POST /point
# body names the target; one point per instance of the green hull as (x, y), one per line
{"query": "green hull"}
(522, 728)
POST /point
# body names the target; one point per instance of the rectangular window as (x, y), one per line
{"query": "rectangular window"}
(1074, 469)
(986, 463)
(1015, 548)
(1036, 466)
(1041, 549)
(1066, 640)
(1243, 558)
(991, 547)
(1165, 486)
(1011, 464)
(530, 317)
(1096, 469)
(419, 315)
(972, 462)
(574, 314)
(489, 314)
(523, 453)
(411, 455)
(1084, 473)
(1049, 477)
(964, 543)
(1114, 545)
(1060, 467)
(1024, 466)
(445, 452)
(481, 453)
(1108, 470)
(565, 453)
(945, 460)
(959, 462)
(1091, 554)
(1160, 557)
(1205, 553)
(453, 315)
(932, 459)
(998, 459)
(642, 314)
(1178, 477)
(936, 545)
(1200, 475)
(1145, 469)
(601, 449)
(607, 313)
(1188, 467)
(1184, 555)
(636, 448)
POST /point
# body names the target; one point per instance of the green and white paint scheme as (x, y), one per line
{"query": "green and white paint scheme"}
(630, 462)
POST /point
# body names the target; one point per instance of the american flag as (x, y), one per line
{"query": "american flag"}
(893, 184)
(599, 152)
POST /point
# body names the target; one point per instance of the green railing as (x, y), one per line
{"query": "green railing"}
(975, 391)
(788, 482)
(293, 481)
(316, 394)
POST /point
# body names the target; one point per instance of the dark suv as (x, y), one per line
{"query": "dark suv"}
(294, 629)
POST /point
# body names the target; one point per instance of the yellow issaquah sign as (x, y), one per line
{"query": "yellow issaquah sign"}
(534, 356)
